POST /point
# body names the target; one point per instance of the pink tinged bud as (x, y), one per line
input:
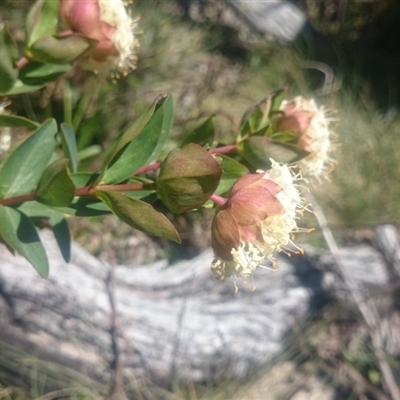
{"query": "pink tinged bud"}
(301, 118)
(253, 200)
(83, 17)
(313, 134)
(253, 205)
(107, 22)
(255, 222)
(225, 234)
(298, 121)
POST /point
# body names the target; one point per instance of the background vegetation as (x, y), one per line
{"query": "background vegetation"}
(214, 62)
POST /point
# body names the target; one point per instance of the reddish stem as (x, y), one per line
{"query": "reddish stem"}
(18, 199)
(224, 149)
(81, 192)
(125, 187)
(22, 62)
(147, 168)
(218, 200)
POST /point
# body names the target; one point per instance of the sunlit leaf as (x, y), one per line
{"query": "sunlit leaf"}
(24, 167)
(20, 234)
(139, 215)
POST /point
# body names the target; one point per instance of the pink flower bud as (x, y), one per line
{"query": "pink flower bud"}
(313, 135)
(107, 22)
(255, 222)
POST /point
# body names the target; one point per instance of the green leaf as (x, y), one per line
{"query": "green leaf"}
(257, 117)
(82, 179)
(68, 142)
(8, 72)
(277, 98)
(42, 20)
(258, 150)
(139, 215)
(85, 207)
(57, 49)
(24, 167)
(188, 177)
(19, 233)
(55, 187)
(37, 73)
(202, 135)
(136, 153)
(135, 128)
(15, 121)
(55, 219)
(89, 152)
(19, 88)
(168, 119)
(233, 170)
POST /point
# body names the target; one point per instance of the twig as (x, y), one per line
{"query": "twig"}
(368, 311)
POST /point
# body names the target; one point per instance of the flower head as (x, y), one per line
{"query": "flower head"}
(108, 22)
(255, 222)
(312, 133)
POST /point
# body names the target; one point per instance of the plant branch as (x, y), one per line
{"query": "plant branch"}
(22, 62)
(80, 192)
(89, 190)
(218, 200)
(224, 149)
(18, 199)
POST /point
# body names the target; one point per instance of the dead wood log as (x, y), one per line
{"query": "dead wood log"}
(163, 322)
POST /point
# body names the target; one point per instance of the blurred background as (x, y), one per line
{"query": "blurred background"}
(215, 57)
